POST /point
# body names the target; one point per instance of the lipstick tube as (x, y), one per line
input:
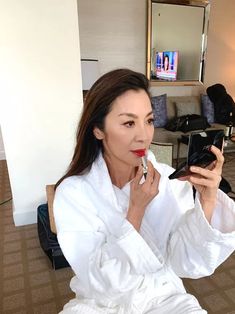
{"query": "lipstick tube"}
(144, 164)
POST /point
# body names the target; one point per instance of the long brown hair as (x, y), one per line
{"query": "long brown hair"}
(97, 105)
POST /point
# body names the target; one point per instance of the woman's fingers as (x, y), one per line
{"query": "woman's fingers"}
(207, 180)
(214, 167)
(219, 158)
(152, 179)
(204, 177)
(155, 182)
(138, 176)
(203, 172)
(150, 173)
(149, 176)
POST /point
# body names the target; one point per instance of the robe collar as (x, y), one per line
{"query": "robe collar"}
(99, 176)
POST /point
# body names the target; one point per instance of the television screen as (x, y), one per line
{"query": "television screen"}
(166, 65)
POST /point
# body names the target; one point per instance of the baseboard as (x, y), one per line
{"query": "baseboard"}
(24, 218)
(2, 155)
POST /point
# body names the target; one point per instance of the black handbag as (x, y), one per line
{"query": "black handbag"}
(187, 123)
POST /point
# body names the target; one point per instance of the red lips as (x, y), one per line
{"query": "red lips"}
(139, 152)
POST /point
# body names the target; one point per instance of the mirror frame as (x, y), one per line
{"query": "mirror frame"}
(200, 3)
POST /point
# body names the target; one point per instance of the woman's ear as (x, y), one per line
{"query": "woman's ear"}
(98, 133)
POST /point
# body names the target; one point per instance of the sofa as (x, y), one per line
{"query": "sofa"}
(166, 108)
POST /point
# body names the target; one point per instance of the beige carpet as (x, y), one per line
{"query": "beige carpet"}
(29, 285)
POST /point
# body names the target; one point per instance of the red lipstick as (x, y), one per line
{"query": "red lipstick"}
(139, 152)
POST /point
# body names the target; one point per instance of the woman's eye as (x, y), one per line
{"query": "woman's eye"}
(129, 123)
(150, 121)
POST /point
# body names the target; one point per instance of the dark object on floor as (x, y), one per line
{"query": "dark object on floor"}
(223, 103)
(48, 239)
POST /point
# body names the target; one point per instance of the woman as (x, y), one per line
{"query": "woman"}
(166, 62)
(128, 239)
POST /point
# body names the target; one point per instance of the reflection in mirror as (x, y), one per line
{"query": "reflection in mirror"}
(177, 35)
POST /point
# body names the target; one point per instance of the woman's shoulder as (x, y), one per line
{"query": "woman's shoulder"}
(70, 186)
(70, 182)
(72, 207)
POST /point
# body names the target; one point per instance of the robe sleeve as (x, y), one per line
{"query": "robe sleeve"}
(196, 248)
(106, 263)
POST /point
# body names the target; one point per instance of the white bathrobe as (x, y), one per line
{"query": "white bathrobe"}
(118, 270)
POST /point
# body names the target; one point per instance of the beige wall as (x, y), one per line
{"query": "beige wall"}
(221, 45)
(40, 97)
(115, 33)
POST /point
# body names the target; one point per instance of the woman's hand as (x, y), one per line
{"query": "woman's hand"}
(206, 182)
(142, 194)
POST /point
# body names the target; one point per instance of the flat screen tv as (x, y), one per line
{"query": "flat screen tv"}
(166, 65)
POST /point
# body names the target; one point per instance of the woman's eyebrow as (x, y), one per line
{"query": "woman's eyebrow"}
(150, 113)
(132, 115)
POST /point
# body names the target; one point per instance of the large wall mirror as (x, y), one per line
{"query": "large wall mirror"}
(177, 39)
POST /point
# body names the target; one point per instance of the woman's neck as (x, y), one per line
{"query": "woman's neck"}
(120, 174)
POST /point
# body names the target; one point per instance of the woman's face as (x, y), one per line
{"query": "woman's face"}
(127, 127)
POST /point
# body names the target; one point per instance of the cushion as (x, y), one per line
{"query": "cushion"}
(185, 108)
(159, 110)
(208, 108)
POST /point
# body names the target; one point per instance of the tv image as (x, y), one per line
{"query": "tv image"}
(166, 65)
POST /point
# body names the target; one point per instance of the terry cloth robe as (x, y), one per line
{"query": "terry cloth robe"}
(119, 270)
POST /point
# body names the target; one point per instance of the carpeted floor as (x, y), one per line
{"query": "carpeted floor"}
(29, 285)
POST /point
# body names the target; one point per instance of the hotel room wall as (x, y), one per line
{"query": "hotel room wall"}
(2, 151)
(220, 66)
(115, 33)
(41, 96)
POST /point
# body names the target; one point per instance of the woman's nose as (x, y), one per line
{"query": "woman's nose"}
(142, 133)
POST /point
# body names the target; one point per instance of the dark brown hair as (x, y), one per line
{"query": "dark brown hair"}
(97, 105)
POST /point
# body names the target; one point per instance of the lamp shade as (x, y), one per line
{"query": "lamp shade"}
(90, 72)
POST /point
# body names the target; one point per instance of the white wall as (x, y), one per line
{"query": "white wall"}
(41, 96)
(2, 150)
